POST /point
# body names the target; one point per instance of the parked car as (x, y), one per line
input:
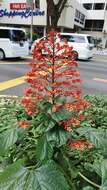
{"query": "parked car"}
(82, 44)
(13, 42)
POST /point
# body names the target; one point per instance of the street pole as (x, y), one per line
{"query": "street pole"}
(30, 6)
(31, 26)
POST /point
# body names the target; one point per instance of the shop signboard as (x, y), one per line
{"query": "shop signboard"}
(22, 10)
(21, 13)
(18, 6)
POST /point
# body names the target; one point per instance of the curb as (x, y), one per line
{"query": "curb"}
(10, 96)
(100, 53)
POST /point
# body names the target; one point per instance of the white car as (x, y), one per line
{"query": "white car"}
(82, 44)
(13, 42)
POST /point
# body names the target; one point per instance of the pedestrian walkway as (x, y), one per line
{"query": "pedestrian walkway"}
(100, 52)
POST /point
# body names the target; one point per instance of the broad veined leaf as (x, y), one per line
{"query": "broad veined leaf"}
(58, 135)
(40, 128)
(50, 124)
(45, 106)
(60, 115)
(96, 136)
(45, 125)
(6, 123)
(7, 139)
(104, 174)
(84, 130)
(47, 177)
(44, 150)
(97, 167)
(88, 188)
(101, 169)
(42, 116)
(51, 178)
(45, 147)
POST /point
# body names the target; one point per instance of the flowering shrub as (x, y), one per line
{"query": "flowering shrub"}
(51, 147)
(55, 78)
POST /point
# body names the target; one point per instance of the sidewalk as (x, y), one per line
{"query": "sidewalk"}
(100, 52)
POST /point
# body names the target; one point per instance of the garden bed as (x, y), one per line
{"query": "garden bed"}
(87, 168)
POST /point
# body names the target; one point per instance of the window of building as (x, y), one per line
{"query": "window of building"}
(87, 6)
(37, 4)
(88, 24)
(99, 6)
(94, 25)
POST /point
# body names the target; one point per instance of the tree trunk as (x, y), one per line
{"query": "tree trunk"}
(53, 13)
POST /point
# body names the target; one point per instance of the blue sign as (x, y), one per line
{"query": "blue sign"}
(23, 14)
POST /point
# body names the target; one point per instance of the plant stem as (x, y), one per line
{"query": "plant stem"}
(89, 181)
(31, 167)
(53, 71)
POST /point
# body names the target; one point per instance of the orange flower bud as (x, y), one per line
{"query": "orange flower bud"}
(23, 124)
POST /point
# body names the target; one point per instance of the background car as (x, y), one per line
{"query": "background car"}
(13, 42)
(82, 44)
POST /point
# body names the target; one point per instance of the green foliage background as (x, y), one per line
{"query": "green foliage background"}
(38, 158)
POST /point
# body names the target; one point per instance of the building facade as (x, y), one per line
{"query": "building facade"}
(17, 13)
(96, 19)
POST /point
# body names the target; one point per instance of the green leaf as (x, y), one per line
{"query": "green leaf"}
(44, 150)
(17, 177)
(41, 117)
(60, 99)
(47, 177)
(104, 174)
(45, 106)
(44, 125)
(50, 124)
(84, 130)
(7, 139)
(96, 136)
(88, 188)
(97, 167)
(58, 135)
(60, 115)
(101, 169)
(51, 178)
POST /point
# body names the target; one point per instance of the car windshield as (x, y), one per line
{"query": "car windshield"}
(90, 40)
(73, 38)
(18, 35)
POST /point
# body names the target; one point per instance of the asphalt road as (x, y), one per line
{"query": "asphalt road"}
(93, 75)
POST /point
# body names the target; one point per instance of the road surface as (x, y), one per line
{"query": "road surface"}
(93, 75)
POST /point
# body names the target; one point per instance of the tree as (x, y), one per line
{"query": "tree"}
(54, 11)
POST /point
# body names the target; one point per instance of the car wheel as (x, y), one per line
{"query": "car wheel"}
(2, 55)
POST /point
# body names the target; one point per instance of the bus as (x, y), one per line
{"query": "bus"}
(13, 43)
